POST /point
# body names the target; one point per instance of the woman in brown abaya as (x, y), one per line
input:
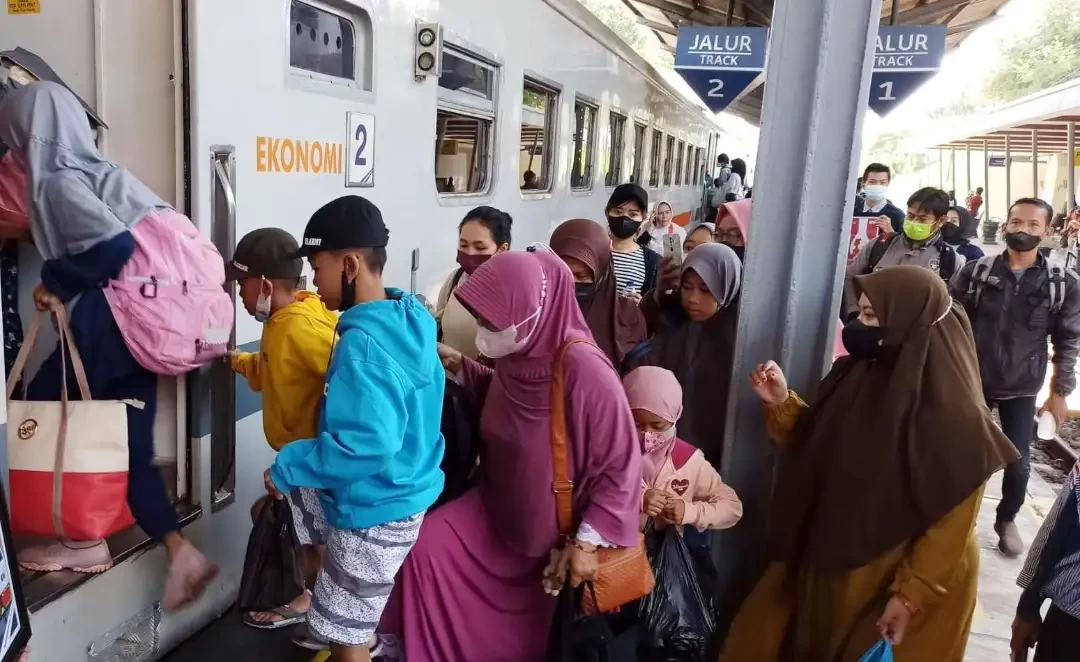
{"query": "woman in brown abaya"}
(616, 322)
(872, 530)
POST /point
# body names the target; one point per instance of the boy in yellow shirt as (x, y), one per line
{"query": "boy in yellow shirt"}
(290, 367)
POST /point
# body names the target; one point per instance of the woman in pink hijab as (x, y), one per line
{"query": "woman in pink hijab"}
(732, 228)
(681, 487)
(473, 586)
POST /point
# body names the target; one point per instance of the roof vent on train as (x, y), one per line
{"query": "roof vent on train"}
(428, 45)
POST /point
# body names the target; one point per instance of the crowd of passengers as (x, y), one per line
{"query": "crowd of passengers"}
(610, 351)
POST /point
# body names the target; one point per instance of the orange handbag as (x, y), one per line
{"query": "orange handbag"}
(624, 574)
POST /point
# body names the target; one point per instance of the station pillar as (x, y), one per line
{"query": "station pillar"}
(820, 61)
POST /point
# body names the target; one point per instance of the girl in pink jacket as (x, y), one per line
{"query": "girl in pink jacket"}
(680, 486)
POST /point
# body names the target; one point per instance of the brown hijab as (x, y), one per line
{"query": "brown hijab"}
(893, 444)
(616, 322)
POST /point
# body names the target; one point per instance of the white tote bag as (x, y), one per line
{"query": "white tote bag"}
(68, 460)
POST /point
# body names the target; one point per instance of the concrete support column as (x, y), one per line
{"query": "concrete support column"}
(1070, 161)
(1008, 170)
(986, 179)
(820, 61)
(967, 168)
(1034, 163)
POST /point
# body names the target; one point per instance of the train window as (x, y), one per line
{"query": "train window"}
(465, 123)
(679, 163)
(639, 153)
(617, 129)
(581, 173)
(539, 110)
(690, 170)
(325, 43)
(698, 172)
(654, 158)
(668, 152)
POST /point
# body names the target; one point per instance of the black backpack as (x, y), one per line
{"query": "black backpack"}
(460, 428)
(980, 276)
(946, 267)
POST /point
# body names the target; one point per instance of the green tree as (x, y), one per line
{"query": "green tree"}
(889, 148)
(1047, 55)
(623, 22)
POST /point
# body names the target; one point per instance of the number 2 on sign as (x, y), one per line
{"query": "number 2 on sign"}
(361, 135)
(717, 86)
(888, 95)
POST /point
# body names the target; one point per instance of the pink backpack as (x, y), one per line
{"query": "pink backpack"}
(168, 300)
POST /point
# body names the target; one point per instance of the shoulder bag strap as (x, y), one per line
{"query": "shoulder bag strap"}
(560, 458)
(66, 338)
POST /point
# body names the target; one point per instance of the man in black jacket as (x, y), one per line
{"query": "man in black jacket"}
(1016, 301)
(873, 202)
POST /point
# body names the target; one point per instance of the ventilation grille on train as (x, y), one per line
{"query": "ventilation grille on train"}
(134, 640)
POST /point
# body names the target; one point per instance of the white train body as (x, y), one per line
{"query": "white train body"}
(204, 104)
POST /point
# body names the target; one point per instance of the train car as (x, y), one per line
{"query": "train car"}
(253, 113)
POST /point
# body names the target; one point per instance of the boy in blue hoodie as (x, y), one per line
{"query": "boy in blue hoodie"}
(361, 487)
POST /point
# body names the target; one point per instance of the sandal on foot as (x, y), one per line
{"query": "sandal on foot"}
(88, 558)
(289, 617)
(309, 639)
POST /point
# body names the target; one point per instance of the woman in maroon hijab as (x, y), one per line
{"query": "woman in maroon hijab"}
(472, 587)
(616, 322)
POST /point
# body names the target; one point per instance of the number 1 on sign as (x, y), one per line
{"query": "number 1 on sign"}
(718, 85)
(888, 95)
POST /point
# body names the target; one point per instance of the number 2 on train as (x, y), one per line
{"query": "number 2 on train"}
(717, 86)
(361, 135)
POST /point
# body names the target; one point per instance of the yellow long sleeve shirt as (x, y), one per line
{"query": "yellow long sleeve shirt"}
(290, 368)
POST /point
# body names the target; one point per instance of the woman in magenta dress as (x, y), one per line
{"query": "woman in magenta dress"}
(472, 587)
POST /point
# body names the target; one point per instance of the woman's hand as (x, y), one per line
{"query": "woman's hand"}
(894, 620)
(653, 503)
(669, 277)
(769, 383)
(450, 358)
(44, 299)
(271, 489)
(583, 563)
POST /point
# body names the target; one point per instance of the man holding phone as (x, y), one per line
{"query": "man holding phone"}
(887, 217)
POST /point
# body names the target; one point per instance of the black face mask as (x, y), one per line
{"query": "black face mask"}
(348, 293)
(1022, 241)
(952, 234)
(861, 341)
(623, 227)
(584, 293)
(740, 251)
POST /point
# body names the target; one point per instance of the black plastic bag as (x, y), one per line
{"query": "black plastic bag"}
(677, 616)
(460, 429)
(273, 569)
(575, 637)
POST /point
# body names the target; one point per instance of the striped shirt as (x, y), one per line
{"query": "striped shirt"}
(1052, 570)
(629, 270)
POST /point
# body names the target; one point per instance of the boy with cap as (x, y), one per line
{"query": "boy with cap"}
(290, 367)
(361, 486)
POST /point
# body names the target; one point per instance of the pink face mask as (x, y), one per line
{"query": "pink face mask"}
(14, 207)
(651, 441)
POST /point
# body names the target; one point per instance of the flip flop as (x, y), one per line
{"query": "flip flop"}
(309, 639)
(289, 617)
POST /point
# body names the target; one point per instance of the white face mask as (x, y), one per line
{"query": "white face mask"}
(875, 191)
(262, 308)
(497, 344)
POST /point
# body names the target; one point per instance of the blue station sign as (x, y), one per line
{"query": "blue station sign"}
(719, 63)
(904, 59)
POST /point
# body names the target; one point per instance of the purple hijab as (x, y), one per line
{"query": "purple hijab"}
(516, 462)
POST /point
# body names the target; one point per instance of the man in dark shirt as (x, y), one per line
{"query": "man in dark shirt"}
(875, 186)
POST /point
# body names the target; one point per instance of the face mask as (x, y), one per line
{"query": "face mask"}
(623, 227)
(917, 231)
(952, 233)
(740, 251)
(470, 263)
(262, 308)
(1022, 241)
(497, 344)
(650, 441)
(861, 341)
(584, 292)
(875, 192)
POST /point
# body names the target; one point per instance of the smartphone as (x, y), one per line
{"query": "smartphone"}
(673, 248)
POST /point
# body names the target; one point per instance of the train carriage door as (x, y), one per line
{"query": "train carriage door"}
(279, 96)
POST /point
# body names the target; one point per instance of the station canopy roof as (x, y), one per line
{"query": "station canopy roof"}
(1043, 118)
(665, 16)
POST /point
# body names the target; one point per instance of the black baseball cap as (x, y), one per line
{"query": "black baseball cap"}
(348, 222)
(265, 253)
(624, 193)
